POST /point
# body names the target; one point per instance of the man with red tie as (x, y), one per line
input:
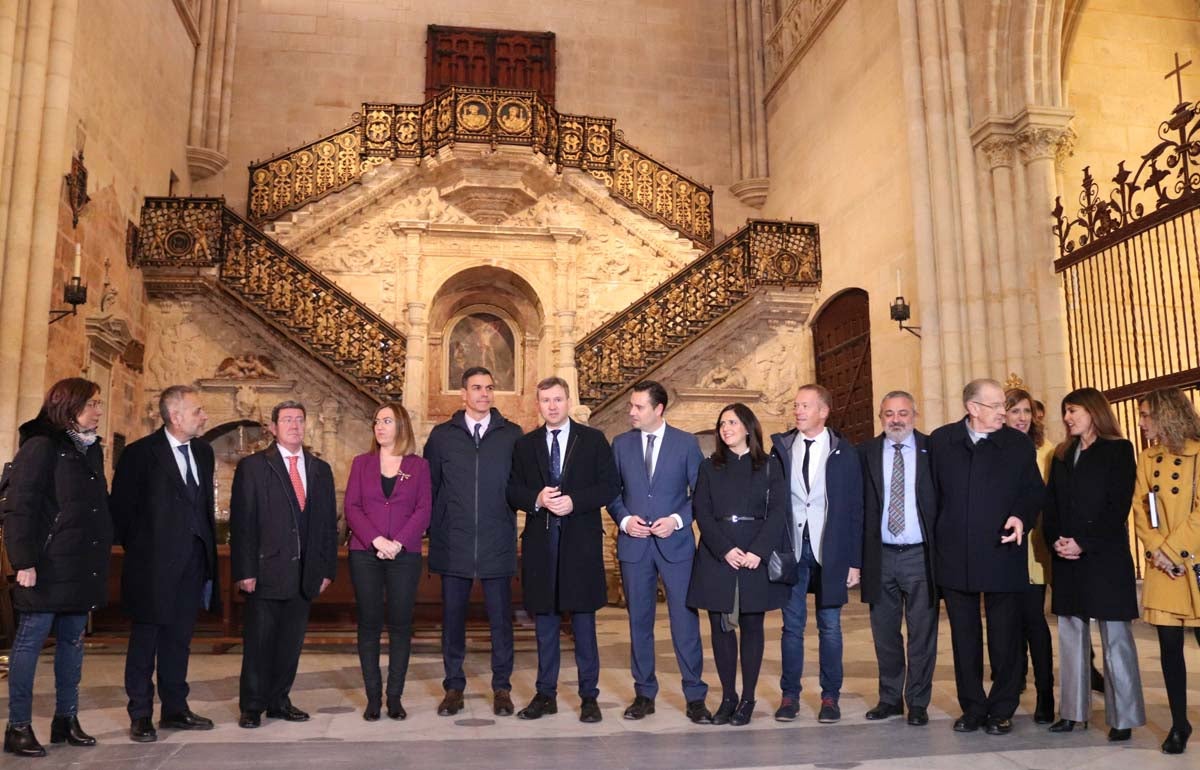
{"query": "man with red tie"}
(283, 546)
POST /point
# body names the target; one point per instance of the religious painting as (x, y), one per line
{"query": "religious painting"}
(482, 339)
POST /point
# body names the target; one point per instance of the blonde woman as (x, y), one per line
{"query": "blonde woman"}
(1167, 520)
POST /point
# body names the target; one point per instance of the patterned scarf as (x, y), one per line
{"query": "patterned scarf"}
(82, 439)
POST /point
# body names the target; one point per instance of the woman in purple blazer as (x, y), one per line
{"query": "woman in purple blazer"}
(387, 508)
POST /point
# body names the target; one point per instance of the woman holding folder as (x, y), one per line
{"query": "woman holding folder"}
(1167, 520)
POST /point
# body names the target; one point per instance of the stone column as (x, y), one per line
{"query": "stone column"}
(416, 378)
(565, 278)
(747, 111)
(1000, 151)
(9, 67)
(212, 88)
(1041, 134)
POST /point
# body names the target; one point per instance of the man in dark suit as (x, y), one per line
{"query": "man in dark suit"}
(162, 509)
(657, 466)
(283, 546)
(562, 474)
(826, 507)
(897, 573)
(989, 491)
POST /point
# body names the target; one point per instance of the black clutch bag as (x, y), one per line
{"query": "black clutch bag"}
(781, 564)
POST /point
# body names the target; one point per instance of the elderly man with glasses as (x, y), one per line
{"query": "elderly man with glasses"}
(988, 490)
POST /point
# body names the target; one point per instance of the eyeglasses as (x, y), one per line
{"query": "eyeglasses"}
(993, 407)
(95, 403)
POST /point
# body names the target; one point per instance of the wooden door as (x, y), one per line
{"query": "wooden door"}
(492, 58)
(842, 344)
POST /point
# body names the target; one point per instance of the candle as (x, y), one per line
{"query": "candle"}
(76, 273)
(899, 292)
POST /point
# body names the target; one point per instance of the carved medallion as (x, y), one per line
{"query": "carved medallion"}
(514, 116)
(474, 114)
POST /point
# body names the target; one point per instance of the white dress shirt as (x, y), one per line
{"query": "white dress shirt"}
(483, 424)
(175, 444)
(299, 465)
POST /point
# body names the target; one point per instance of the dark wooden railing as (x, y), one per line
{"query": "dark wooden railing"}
(680, 310)
(284, 291)
(383, 132)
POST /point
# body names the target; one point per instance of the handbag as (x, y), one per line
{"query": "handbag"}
(781, 564)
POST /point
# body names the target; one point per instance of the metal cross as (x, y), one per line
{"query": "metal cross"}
(1178, 73)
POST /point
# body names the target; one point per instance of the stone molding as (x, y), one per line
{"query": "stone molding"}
(204, 162)
(752, 192)
(798, 27)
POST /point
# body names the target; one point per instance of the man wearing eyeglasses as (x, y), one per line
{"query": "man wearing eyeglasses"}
(988, 491)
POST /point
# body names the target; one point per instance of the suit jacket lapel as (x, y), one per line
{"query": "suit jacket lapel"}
(875, 466)
(166, 456)
(572, 440)
(275, 459)
(543, 455)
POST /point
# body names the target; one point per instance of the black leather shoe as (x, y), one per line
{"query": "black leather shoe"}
(998, 726)
(22, 742)
(451, 704)
(185, 720)
(640, 707)
(589, 711)
(884, 710)
(250, 719)
(966, 724)
(67, 729)
(502, 705)
(395, 709)
(1176, 742)
(1066, 726)
(1116, 736)
(918, 716)
(1043, 712)
(742, 714)
(1097, 681)
(725, 711)
(141, 730)
(288, 713)
(371, 712)
(699, 713)
(539, 707)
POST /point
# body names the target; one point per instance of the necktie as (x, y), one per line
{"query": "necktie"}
(478, 434)
(808, 442)
(297, 484)
(650, 456)
(555, 459)
(896, 499)
(187, 464)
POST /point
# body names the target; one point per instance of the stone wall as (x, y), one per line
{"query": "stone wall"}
(658, 66)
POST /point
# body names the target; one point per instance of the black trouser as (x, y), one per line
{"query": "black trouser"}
(167, 643)
(1174, 668)
(372, 578)
(273, 636)
(1036, 634)
(725, 653)
(1004, 651)
(497, 598)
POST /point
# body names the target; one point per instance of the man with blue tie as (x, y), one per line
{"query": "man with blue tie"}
(162, 509)
(562, 474)
(898, 571)
(657, 465)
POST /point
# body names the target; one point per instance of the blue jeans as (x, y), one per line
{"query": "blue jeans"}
(32, 631)
(829, 634)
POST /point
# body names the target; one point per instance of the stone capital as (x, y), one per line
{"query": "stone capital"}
(1040, 142)
(1000, 150)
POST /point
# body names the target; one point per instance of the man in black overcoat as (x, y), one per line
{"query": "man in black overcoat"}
(562, 475)
(162, 509)
(989, 491)
(283, 548)
(898, 572)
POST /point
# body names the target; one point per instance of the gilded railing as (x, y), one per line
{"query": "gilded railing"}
(290, 295)
(660, 324)
(492, 116)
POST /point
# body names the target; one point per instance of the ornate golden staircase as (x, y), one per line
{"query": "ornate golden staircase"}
(284, 292)
(383, 132)
(679, 311)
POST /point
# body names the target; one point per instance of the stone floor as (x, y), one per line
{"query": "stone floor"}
(329, 685)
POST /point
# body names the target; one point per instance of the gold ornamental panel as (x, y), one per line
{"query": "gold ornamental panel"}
(180, 232)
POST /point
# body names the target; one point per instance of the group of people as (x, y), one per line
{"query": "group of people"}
(982, 510)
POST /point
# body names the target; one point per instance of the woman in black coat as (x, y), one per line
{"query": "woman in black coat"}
(58, 534)
(740, 504)
(1084, 521)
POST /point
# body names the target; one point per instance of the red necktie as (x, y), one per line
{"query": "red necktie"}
(297, 483)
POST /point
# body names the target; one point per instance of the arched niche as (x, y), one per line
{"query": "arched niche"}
(480, 312)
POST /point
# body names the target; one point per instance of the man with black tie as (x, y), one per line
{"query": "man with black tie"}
(897, 573)
(657, 466)
(562, 475)
(989, 490)
(162, 509)
(283, 554)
